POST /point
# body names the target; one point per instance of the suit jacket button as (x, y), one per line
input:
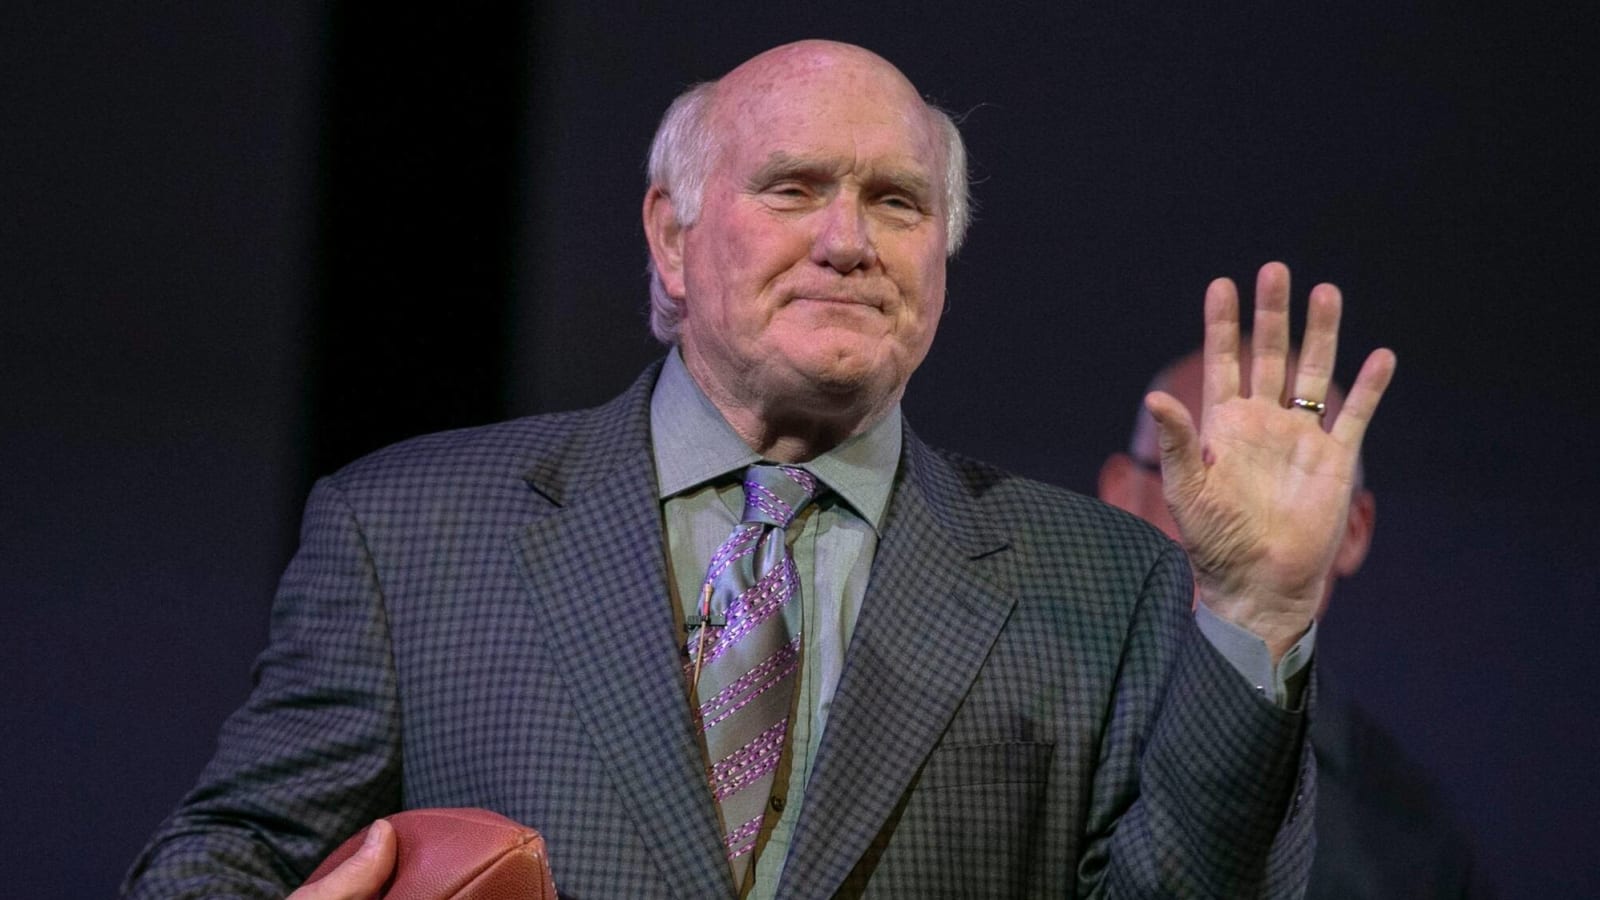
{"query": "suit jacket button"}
(777, 804)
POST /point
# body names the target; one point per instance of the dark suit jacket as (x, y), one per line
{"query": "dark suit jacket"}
(482, 618)
(1384, 830)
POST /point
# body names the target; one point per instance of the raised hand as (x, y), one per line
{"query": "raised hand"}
(1261, 490)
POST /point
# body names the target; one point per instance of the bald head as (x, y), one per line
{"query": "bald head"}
(844, 68)
(805, 63)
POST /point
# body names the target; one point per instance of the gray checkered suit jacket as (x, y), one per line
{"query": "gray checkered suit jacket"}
(481, 618)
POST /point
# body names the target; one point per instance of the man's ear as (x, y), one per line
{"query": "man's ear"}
(665, 237)
(1119, 480)
(1357, 539)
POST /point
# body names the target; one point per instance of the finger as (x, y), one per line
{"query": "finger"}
(1320, 347)
(1182, 465)
(1269, 343)
(1220, 355)
(1376, 374)
(362, 875)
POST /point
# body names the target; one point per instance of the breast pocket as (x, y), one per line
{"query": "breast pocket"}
(973, 825)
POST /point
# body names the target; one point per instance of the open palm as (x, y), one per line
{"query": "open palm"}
(1260, 490)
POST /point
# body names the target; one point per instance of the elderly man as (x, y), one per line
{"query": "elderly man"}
(740, 631)
(1382, 828)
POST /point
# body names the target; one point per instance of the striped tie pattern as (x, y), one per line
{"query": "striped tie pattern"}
(743, 660)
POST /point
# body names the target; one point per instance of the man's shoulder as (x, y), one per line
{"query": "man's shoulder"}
(500, 445)
(538, 449)
(1038, 510)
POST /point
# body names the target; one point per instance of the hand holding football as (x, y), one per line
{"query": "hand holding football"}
(457, 854)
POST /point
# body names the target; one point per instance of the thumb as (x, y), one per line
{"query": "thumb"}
(1182, 470)
(361, 876)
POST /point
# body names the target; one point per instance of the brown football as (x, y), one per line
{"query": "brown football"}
(458, 854)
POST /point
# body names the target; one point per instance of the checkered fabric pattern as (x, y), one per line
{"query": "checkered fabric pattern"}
(1026, 707)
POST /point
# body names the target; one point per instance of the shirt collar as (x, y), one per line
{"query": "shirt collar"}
(693, 444)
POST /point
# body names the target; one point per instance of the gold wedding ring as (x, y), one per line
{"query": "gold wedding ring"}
(1315, 406)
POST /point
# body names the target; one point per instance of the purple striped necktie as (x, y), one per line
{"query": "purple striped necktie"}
(744, 671)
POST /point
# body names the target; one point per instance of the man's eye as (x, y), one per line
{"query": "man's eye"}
(788, 195)
(901, 206)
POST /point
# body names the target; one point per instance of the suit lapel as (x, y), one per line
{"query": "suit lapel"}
(594, 565)
(931, 613)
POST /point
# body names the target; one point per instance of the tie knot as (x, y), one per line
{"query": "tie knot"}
(774, 495)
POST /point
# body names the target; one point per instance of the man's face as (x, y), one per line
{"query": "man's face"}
(814, 276)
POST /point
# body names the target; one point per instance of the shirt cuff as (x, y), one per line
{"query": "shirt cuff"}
(1250, 656)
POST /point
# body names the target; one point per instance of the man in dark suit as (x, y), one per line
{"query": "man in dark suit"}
(1383, 829)
(994, 687)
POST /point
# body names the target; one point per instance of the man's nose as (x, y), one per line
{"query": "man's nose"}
(845, 239)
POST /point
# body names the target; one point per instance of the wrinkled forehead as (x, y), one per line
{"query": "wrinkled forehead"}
(824, 94)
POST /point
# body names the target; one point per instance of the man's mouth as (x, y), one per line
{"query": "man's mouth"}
(840, 300)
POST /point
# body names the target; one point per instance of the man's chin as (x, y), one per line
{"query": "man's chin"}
(848, 389)
(835, 368)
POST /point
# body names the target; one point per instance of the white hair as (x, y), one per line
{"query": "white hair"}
(683, 154)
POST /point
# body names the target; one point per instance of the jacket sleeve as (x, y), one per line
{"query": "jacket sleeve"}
(1205, 789)
(314, 754)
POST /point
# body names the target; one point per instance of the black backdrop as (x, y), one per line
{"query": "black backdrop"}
(240, 246)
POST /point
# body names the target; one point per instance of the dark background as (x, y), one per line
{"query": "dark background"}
(242, 244)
